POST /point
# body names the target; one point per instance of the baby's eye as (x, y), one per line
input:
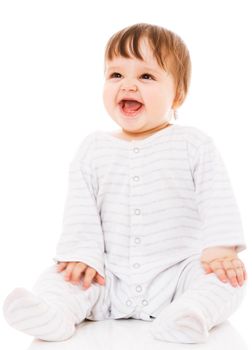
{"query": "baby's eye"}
(115, 75)
(147, 76)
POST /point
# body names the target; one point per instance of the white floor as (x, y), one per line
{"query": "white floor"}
(133, 334)
(122, 334)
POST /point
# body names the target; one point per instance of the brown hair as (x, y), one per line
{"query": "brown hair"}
(168, 48)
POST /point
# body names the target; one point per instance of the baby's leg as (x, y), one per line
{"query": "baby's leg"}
(53, 308)
(201, 302)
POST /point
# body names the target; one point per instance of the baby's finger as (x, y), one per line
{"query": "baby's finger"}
(240, 275)
(68, 270)
(77, 272)
(99, 279)
(232, 277)
(230, 272)
(238, 263)
(221, 274)
(245, 274)
(240, 271)
(61, 266)
(88, 277)
(218, 269)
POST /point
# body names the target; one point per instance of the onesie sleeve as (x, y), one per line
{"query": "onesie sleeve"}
(82, 236)
(221, 221)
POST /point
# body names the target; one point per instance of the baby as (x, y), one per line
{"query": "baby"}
(151, 227)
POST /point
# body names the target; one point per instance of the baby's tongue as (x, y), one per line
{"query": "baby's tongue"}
(131, 106)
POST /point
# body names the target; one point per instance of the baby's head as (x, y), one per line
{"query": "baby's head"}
(147, 75)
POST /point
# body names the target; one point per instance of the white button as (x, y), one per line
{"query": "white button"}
(136, 178)
(128, 302)
(137, 240)
(136, 266)
(136, 149)
(137, 211)
(145, 302)
(138, 289)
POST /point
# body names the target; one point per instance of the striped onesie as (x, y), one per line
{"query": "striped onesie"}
(140, 213)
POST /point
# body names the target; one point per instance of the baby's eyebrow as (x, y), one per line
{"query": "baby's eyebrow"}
(143, 68)
(149, 69)
(113, 68)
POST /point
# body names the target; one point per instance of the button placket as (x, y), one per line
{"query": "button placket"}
(137, 240)
(144, 302)
(136, 214)
(136, 149)
(139, 289)
(137, 211)
(136, 265)
(135, 191)
(136, 178)
(128, 302)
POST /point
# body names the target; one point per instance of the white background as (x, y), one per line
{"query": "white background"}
(51, 77)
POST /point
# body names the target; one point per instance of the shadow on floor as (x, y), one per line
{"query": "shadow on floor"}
(133, 334)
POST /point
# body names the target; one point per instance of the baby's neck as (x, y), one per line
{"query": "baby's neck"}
(129, 135)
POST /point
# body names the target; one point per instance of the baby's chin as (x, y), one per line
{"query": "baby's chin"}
(147, 128)
(133, 124)
(138, 131)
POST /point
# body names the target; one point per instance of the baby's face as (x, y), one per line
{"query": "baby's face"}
(138, 95)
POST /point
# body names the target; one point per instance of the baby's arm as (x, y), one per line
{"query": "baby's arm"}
(74, 271)
(225, 263)
(82, 237)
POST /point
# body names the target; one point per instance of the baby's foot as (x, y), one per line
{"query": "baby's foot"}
(180, 323)
(32, 315)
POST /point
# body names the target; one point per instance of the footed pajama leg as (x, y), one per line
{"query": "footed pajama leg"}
(201, 301)
(53, 308)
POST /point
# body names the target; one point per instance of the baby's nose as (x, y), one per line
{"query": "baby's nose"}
(129, 85)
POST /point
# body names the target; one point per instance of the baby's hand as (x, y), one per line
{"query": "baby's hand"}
(225, 263)
(74, 271)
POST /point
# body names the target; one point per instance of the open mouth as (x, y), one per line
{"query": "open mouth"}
(130, 107)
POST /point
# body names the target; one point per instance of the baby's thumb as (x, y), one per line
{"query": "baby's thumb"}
(206, 267)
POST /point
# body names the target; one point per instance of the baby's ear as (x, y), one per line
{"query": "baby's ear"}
(179, 98)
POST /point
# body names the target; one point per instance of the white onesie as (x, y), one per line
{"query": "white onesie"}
(140, 212)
